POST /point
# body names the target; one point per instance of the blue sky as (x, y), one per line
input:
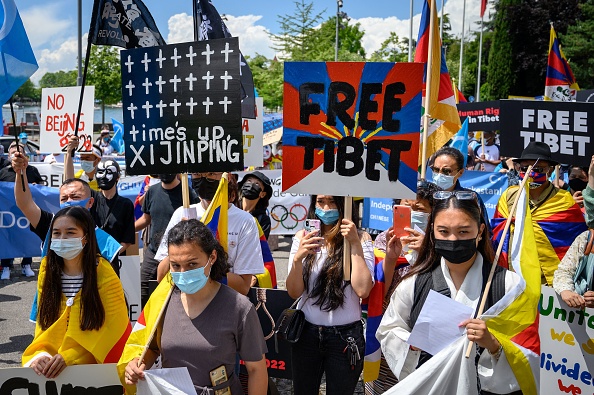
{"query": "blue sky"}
(52, 25)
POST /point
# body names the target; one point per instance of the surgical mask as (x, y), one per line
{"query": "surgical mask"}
(328, 217)
(419, 219)
(443, 181)
(538, 179)
(207, 189)
(577, 185)
(190, 281)
(79, 203)
(456, 251)
(67, 248)
(87, 165)
(250, 191)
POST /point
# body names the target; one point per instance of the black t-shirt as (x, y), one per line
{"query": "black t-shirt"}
(160, 204)
(116, 217)
(263, 219)
(45, 221)
(7, 174)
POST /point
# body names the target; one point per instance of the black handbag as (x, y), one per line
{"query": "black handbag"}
(290, 324)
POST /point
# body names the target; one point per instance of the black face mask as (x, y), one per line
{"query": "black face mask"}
(250, 191)
(207, 189)
(167, 178)
(577, 185)
(196, 183)
(456, 251)
(104, 184)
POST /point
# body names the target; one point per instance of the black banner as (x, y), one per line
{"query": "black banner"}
(585, 96)
(481, 116)
(561, 125)
(123, 23)
(182, 108)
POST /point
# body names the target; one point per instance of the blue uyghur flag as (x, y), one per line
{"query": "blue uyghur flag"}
(117, 141)
(460, 141)
(17, 59)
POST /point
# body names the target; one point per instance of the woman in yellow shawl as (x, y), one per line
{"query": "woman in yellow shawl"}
(82, 316)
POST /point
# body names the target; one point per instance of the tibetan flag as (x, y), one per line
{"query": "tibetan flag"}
(139, 338)
(560, 84)
(137, 205)
(556, 223)
(268, 278)
(459, 95)
(215, 217)
(445, 121)
(460, 141)
(17, 61)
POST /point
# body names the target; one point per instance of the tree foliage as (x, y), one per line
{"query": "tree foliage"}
(268, 79)
(58, 79)
(578, 46)
(393, 49)
(28, 91)
(104, 73)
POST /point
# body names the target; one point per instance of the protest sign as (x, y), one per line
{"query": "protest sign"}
(561, 125)
(566, 346)
(76, 379)
(481, 115)
(130, 276)
(59, 107)
(586, 95)
(253, 131)
(275, 301)
(182, 107)
(352, 123)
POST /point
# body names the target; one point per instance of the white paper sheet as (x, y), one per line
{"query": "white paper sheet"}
(437, 325)
(174, 381)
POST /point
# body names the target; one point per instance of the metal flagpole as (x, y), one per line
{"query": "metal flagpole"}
(480, 58)
(461, 48)
(428, 93)
(441, 21)
(79, 77)
(410, 32)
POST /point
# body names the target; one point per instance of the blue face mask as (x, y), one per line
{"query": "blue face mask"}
(79, 203)
(87, 165)
(420, 219)
(191, 281)
(443, 181)
(328, 217)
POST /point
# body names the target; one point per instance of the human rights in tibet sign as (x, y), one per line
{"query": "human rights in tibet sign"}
(352, 123)
(182, 107)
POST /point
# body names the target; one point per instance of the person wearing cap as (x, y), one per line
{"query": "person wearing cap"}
(256, 191)
(88, 163)
(104, 141)
(556, 217)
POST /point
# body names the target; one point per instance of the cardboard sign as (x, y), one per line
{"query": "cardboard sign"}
(352, 123)
(253, 131)
(58, 118)
(130, 276)
(563, 126)
(586, 95)
(182, 108)
(74, 380)
(481, 116)
(566, 346)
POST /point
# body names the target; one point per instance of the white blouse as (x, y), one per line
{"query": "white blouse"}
(495, 375)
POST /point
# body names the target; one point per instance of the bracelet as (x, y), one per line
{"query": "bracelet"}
(497, 353)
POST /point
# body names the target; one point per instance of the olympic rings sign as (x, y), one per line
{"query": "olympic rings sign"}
(287, 218)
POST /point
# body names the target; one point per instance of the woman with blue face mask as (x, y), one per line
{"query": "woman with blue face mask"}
(205, 323)
(82, 316)
(332, 341)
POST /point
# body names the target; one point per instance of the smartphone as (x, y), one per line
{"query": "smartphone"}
(218, 376)
(311, 225)
(401, 220)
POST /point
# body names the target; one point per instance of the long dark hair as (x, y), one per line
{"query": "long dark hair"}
(328, 288)
(195, 232)
(92, 313)
(428, 259)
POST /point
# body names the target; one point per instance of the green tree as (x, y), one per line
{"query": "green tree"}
(322, 42)
(268, 79)
(58, 79)
(393, 49)
(104, 73)
(578, 45)
(28, 91)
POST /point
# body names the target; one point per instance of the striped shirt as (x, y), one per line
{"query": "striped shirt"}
(71, 284)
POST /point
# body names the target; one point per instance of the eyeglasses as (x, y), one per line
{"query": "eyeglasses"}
(444, 171)
(460, 195)
(543, 169)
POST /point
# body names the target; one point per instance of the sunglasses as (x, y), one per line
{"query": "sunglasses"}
(460, 195)
(445, 172)
(544, 169)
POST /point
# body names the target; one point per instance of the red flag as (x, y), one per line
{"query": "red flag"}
(483, 7)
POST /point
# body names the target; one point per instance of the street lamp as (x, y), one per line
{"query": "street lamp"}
(339, 4)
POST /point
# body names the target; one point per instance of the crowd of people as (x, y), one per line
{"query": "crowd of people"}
(449, 248)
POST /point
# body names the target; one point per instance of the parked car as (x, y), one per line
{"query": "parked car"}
(31, 148)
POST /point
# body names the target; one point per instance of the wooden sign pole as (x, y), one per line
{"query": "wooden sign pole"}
(185, 190)
(346, 249)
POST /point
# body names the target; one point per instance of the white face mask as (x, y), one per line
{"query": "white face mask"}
(67, 248)
(419, 219)
(443, 181)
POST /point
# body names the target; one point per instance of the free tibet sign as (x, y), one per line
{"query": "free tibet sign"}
(561, 125)
(182, 107)
(352, 123)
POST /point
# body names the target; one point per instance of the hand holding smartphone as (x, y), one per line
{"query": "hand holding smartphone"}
(311, 225)
(401, 220)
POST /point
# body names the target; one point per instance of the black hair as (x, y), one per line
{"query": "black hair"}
(195, 232)
(452, 153)
(85, 184)
(425, 191)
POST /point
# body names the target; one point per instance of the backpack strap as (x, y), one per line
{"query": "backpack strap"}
(590, 242)
(425, 282)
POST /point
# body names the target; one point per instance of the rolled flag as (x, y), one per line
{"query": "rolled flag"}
(460, 141)
(117, 141)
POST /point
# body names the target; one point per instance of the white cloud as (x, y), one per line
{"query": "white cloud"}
(62, 58)
(253, 38)
(44, 24)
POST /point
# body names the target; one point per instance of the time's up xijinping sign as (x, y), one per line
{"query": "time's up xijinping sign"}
(352, 128)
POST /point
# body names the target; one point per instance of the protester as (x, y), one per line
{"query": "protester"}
(456, 258)
(578, 180)
(243, 241)
(104, 141)
(487, 155)
(88, 162)
(588, 196)
(82, 311)
(8, 174)
(556, 218)
(256, 191)
(332, 340)
(447, 166)
(159, 204)
(211, 339)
